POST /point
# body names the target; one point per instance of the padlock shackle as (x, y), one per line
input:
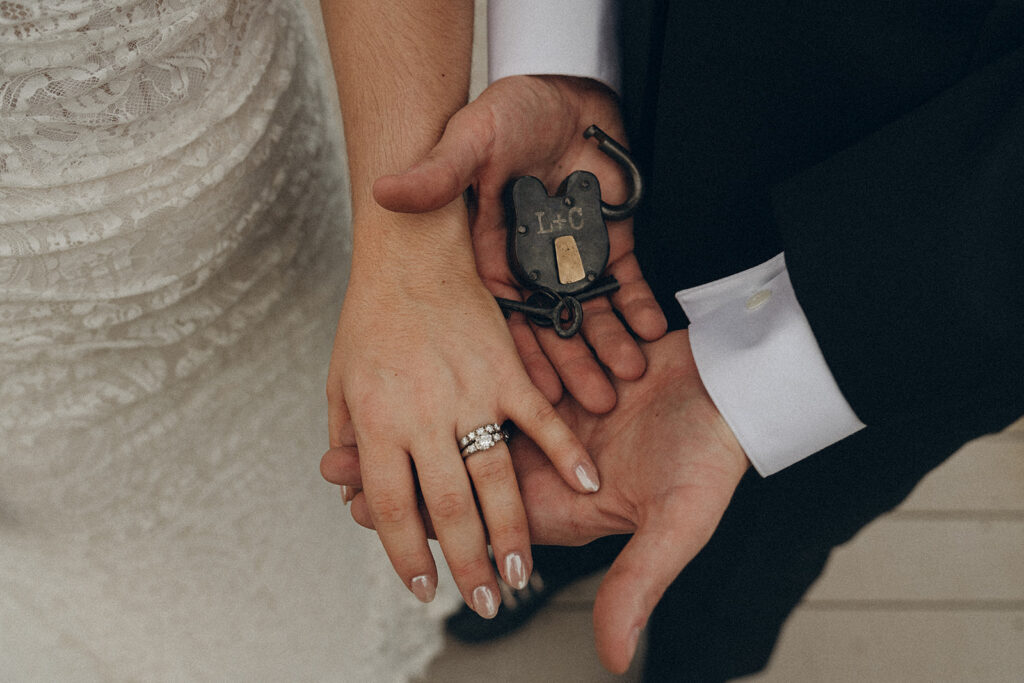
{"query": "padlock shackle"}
(618, 212)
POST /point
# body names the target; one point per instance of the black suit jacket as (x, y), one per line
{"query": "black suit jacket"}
(880, 144)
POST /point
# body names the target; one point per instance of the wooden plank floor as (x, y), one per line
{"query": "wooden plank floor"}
(932, 592)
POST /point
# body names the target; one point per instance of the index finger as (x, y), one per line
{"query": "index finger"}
(540, 421)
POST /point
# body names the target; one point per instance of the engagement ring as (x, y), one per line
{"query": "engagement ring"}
(482, 438)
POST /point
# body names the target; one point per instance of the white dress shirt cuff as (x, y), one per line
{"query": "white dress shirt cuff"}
(763, 368)
(563, 37)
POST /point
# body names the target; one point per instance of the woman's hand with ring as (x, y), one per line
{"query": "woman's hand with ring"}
(423, 357)
(422, 353)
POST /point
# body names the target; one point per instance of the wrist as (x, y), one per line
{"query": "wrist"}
(738, 461)
(759, 359)
(681, 382)
(720, 431)
(412, 245)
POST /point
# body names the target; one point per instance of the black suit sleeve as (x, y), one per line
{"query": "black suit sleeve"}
(906, 251)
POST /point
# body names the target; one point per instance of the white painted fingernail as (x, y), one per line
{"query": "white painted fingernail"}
(484, 603)
(515, 571)
(587, 478)
(423, 588)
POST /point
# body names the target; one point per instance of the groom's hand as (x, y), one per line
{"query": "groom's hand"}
(669, 465)
(533, 125)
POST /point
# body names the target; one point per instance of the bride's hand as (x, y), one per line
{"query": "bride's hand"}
(533, 125)
(423, 356)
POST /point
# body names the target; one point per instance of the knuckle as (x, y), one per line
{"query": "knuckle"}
(410, 564)
(508, 532)
(374, 419)
(388, 510)
(608, 337)
(483, 129)
(534, 355)
(447, 172)
(449, 507)
(544, 412)
(599, 306)
(602, 322)
(494, 469)
(475, 567)
(576, 363)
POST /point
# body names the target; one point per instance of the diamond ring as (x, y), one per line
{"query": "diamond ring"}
(482, 438)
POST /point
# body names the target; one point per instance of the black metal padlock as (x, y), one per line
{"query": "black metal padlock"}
(558, 244)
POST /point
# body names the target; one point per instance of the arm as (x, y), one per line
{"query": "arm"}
(926, 223)
(532, 125)
(903, 276)
(567, 37)
(755, 363)
(422, 354)
(939, 183)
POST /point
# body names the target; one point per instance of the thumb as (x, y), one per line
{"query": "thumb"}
(662, 546)
(444, 173)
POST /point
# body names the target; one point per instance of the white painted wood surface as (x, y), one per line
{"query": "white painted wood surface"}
(932, 592)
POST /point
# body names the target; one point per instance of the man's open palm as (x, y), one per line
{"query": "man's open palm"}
(669, 465)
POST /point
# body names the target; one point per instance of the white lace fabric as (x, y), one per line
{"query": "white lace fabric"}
(173, 249)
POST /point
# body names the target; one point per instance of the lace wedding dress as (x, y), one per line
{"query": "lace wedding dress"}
(173, 250)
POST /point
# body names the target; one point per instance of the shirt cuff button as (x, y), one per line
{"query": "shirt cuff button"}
(758, 300)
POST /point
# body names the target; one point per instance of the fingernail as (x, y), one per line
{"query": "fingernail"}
(587, 477)
(346, 494)
(484, 603)
(515, 571)
(634, 638)
(423, 588)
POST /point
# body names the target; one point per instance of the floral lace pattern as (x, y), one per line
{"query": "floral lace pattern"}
(173, 249)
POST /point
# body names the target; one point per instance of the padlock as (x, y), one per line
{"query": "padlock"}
(558, 244)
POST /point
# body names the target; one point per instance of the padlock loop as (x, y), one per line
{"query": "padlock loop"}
(618, 212)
